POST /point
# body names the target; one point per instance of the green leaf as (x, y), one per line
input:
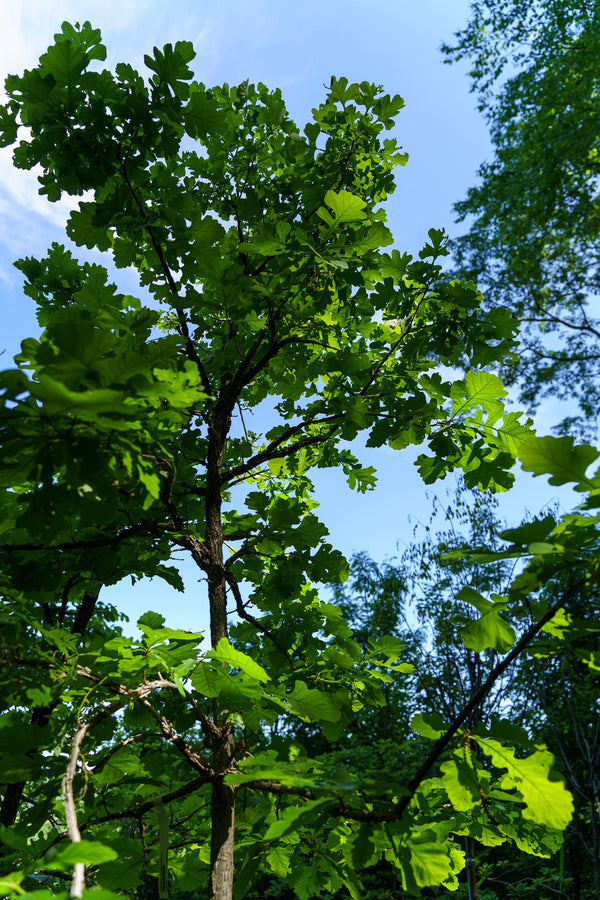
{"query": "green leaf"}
(460, 781)
(530, 532)
(295, 817)
(151, 619)
(91, 402)
(559, 624)
(312, 704)
(591, 658)
(11, 884)
(479, 389)
(224, 651)
(491, 630)
(347, 207)
(340, 92)
(269, 240)
(484, 832)
(423, 861)
(88, 852)
(65, 61)
(202, 115)
(430, 864)
(532, 839)
(279, 859)
(392, 647)
(119, 769)
(151, 482)
(171, 67)
(429, 725)
(8, 124)
(84, 36)
(362, 480)
(546, 799)
(557, 457)
(375, 236)
(208, 682)
(124, 872)
(85, 231)
(506, 731)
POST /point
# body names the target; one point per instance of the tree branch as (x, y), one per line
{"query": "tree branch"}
(148, 529)
(271, 451)
(243, 614)
(135, 812)
(171, 735)
(192, 353)
(442, 742)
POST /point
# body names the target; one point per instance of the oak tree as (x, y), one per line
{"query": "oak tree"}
(270, 332)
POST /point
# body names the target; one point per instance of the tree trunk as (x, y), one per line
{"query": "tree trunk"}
(593, 807)
(9, 808)
(223, 823)
(221, 845)
(473, 892)
(223, 796)
(10, 803)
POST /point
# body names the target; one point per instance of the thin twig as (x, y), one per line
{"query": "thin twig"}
(243, 614)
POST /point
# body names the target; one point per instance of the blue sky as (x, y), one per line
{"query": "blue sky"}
(296, 46)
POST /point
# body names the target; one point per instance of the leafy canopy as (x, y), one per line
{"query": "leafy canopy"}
(275, 330)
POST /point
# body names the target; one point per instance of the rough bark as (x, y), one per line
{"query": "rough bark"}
(213, 537)
(223, 796)
(223, 822)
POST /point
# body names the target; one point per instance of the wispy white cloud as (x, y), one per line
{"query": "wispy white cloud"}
(222, 36)
(129, 30)
(26, 30)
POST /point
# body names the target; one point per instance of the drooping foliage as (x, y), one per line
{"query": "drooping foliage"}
(548, 695)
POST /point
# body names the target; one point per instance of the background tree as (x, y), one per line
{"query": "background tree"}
(533, 246)
(441, 589)
(563, 712)
(533, 238)
(446, 590)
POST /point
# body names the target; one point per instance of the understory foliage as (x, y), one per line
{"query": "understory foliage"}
(271, 331)
(548, 695)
